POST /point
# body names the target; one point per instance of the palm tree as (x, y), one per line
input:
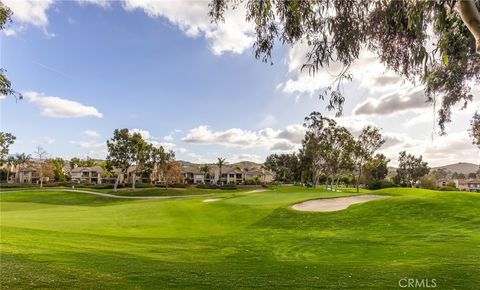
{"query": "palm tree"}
(22, 159)
(206, 170)
(220, 163)
(10, 162)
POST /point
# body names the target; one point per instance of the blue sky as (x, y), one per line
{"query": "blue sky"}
(161, 67)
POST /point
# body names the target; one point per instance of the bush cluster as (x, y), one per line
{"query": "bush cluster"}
(379, 184)
(173, 185)
(448, 188)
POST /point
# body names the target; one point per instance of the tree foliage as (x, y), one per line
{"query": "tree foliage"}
(424, 41)
(410, 169)
(328, 147)
(5, 84)
(58, 169)
(376, 168)
(367, 143)
(475, 129)
(6, 140)
(285, 166)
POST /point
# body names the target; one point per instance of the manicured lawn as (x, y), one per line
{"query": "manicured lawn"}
(55, 239)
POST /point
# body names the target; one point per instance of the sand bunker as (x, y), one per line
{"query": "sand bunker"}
(257, 190)
(212, 199)
(334, 204)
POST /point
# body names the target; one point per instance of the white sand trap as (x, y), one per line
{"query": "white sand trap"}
(334, 204)
(257, 190)
(212, 199)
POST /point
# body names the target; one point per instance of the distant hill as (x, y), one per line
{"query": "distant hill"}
(241, 164)
(461, 167)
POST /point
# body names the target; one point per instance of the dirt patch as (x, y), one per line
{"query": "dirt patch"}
(335, 204)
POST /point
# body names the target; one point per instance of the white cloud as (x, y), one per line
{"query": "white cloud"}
(44, 140)
(235, 35)
(91, 133)
(399, 101)
(367, 71)
(144, 133)
(88, 144)
(233, 137)
(101, 3)
(61, 108)
(287, 139)
(169, 137)
(29, 12)
(282, 146)
(268, 120)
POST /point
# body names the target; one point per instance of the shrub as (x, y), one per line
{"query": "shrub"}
(448, 188)
(228, 187)
(18, 185)
(207, 186)
(143, 185)
(103, 186)
(379, 184)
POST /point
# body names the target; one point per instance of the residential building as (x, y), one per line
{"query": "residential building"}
(28, 174)
(461, 184)
(87, 174)
(474, 185)
(442, 182)
(230, 174)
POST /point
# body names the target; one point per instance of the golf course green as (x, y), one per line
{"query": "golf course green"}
(59, 239)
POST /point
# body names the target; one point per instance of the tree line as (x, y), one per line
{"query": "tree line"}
(330, 154)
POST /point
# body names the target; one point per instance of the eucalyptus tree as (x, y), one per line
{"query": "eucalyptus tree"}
(376, 168)
(158, 157)
(120, 153)
(286, 166)
(6, 140)
(367, 143)
(475, 129)
(5, 84)
(314, 145)
(410, 169)
(340, 147)
(140, 152)
(434, 43)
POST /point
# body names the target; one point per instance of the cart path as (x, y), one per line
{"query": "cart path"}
(113, 195)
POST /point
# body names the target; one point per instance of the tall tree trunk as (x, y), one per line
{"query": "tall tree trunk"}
(8, 175)
(358, 178)
(336, 185)
(471, 17)
(314, 180)
(117, 180)
(134, 178)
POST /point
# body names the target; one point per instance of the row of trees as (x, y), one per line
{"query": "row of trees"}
(126, 149)
(331, 154)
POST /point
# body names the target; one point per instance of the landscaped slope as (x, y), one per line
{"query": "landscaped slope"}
(76, 240)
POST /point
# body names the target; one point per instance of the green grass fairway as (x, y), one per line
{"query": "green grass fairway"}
(55, 239)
